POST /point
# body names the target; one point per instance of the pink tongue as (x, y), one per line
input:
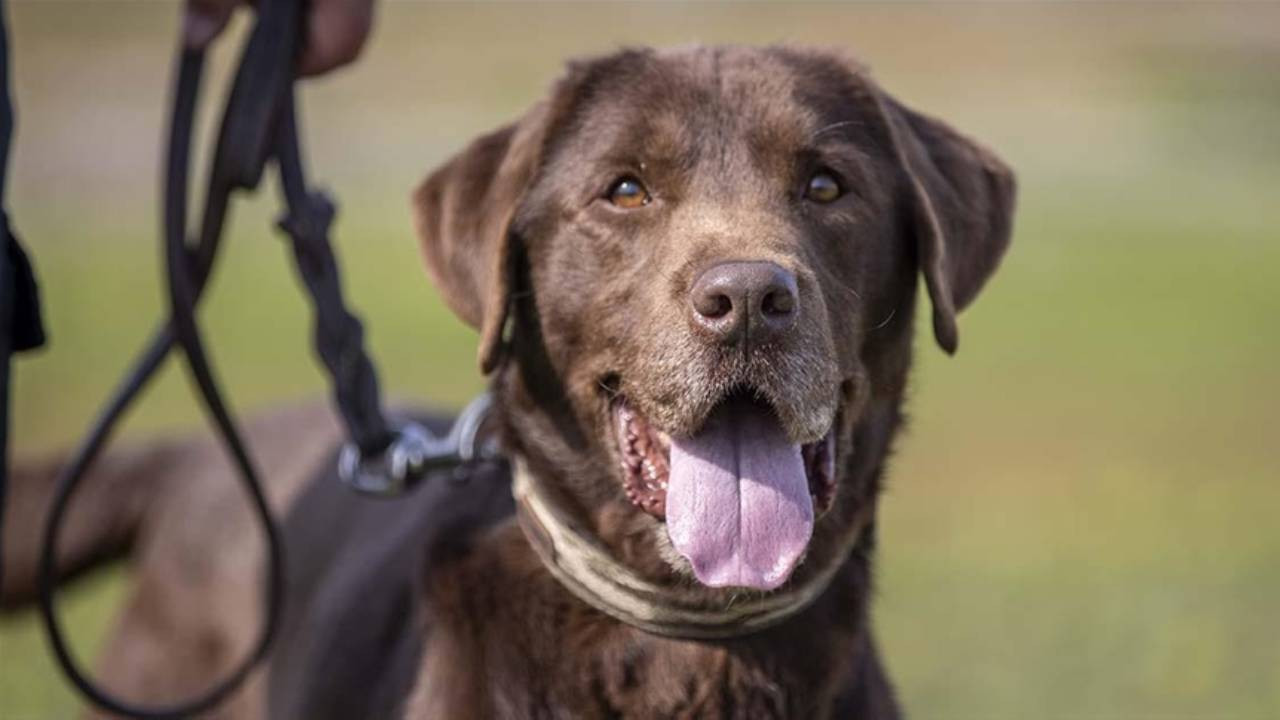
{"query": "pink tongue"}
(738, 503)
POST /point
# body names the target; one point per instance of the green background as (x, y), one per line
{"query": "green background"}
(1080, 521)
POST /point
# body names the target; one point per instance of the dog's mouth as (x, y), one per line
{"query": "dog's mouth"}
(739, 499)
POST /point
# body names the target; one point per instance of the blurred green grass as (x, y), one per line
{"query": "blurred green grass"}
(1080, 519)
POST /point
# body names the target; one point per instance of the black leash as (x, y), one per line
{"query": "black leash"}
(258, 126)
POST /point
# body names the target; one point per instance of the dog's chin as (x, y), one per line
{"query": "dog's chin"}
(737, 499)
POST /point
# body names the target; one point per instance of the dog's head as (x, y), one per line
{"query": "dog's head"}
(694, 277)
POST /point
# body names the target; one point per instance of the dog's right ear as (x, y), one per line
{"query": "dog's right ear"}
(464, 210)
(463, 216)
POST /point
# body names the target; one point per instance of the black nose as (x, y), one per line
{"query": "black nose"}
(745, 301)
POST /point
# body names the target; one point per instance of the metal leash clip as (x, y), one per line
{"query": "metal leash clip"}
(415, 452)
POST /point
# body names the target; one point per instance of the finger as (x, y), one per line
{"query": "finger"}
(336, 31)
(204, 19)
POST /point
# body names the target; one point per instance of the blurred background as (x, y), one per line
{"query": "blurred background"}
(1082, 519)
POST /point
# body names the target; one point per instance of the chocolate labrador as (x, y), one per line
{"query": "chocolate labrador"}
(694, 277)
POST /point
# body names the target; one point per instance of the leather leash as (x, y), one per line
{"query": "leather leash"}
(259, 127)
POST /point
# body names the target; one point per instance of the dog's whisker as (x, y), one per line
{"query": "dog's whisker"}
(834, 126)
(613, 392)
(887, 320)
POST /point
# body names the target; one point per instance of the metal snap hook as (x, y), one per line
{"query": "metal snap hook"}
(416, 452)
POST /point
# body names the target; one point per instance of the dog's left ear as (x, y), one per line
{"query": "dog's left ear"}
(962, 199)
(463, 216)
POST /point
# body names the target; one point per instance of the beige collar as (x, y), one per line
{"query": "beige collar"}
(582, 564)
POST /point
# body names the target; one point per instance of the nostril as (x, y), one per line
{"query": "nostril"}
(778, 302)
(714, 305)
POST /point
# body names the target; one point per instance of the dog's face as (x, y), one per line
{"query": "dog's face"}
(707, 260)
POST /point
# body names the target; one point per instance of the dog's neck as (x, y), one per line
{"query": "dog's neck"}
(585, 567)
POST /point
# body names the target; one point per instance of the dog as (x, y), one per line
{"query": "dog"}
(694, 277)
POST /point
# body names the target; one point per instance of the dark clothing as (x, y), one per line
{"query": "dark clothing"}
(20, 326)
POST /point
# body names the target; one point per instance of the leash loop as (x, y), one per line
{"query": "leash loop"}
(188, 270)
(259, 125)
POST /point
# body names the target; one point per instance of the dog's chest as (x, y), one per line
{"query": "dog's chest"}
(506, 640)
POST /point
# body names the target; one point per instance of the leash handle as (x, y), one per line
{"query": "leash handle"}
(188, 273)
(265, 71)
(258, 125)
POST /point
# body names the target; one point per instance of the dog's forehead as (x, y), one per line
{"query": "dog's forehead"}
(694, 102)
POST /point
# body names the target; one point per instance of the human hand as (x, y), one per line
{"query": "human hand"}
(335, 29)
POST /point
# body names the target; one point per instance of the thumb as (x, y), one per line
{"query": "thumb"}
(203, 20)
(336, 31)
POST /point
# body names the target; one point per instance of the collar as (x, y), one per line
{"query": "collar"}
(583, 565)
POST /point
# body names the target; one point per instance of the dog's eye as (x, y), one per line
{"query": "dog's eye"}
(628, 193)
(822, 188)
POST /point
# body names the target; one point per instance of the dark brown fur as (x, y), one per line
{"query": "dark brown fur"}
(596, 298)
(578, 303)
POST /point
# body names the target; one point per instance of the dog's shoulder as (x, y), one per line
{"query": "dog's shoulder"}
(353, 629)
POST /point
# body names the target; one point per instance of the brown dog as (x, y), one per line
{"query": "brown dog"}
(694, 277)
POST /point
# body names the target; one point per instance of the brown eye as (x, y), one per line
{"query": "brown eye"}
(628, 193)
(822, 188)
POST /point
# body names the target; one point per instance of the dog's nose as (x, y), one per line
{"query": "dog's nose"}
(737, 301)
